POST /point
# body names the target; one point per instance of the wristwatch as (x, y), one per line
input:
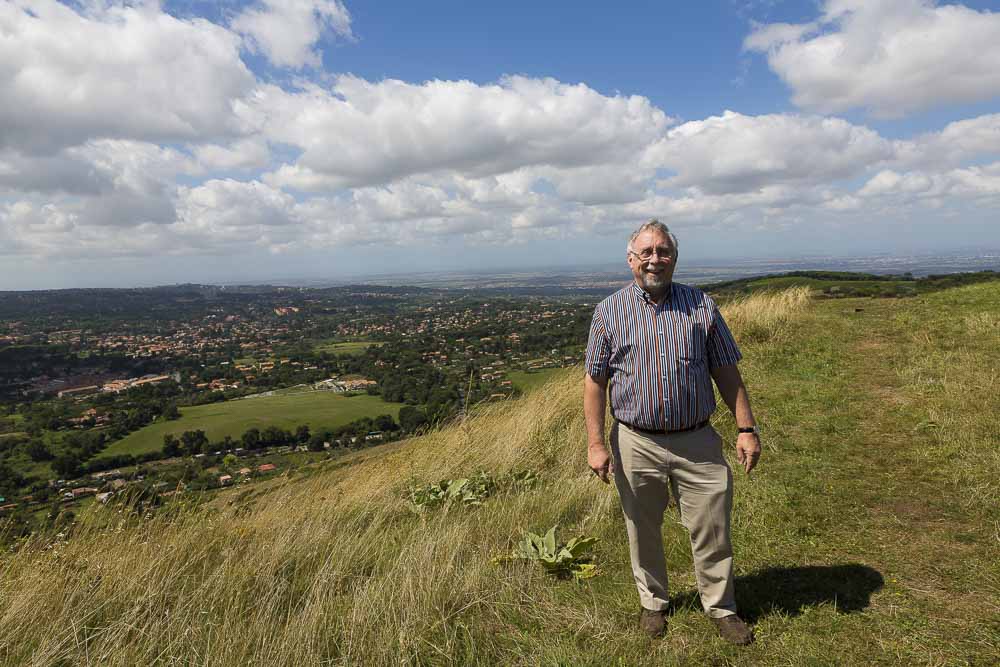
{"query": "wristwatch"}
(750, 429)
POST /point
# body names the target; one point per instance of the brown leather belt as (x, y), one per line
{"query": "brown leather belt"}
(647, 431)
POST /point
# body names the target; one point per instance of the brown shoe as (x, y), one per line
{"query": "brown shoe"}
(653, 623)
(734, 630)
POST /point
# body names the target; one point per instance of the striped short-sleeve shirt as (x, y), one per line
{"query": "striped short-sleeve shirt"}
(658, 357)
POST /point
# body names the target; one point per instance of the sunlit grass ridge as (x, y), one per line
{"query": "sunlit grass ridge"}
(335, 568)
(759, 317)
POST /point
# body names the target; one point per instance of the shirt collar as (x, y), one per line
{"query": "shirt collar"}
(644, 295)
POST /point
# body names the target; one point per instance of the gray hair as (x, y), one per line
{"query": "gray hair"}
(656, 225)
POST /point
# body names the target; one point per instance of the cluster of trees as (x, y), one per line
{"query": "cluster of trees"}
(38, 417)
(404, 377)
(191, 443)
(402, 374)
(77, 448)
(127, 412)
(117, 461)
(38, 451)
(33, 448)
(10, 480)
(137, 408)
(412, 419)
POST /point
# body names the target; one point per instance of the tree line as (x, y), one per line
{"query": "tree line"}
(353, 434)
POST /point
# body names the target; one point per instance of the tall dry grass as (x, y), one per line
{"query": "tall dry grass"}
(761, 316)
(334, 568)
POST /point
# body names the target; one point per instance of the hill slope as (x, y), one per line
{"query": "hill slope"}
(867, 536)
(853, 284)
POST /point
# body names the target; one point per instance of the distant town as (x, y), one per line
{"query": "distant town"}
(105, 392)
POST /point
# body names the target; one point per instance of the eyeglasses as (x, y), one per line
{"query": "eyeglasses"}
(662, 252)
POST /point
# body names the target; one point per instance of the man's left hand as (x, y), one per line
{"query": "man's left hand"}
(748, 450)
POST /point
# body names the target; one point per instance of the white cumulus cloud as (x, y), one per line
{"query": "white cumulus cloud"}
(363, 132)
(973, 182)
(738, 153)
(127, 72)
(890, 57)
(249, 153)
(222, 207)
(957, 142)
(286, 31)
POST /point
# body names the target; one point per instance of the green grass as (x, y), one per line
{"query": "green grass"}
(849, 284)
(350, 347)
(318, 409)
(530, 380)
(867, 536)
(877, 457)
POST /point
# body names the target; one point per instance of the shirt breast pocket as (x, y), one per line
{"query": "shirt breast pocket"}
(694, 364)
(694, 347)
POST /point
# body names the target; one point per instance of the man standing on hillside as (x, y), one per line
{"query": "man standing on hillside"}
(658, 344)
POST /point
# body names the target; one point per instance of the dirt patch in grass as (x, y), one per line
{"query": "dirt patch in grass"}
(912, 510)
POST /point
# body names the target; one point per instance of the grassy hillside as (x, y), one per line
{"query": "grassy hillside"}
(867, 536)
(841, 284)
(318, 409)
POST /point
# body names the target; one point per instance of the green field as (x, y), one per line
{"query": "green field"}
(319, 409)
(350, 347)
(529, 380)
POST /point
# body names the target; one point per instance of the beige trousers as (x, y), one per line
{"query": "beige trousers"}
(689, 465)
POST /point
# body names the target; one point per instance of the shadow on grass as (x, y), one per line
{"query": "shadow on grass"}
(790, 590)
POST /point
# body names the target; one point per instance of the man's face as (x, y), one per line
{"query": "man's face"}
(655, 273)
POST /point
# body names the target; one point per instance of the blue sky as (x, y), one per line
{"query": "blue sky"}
(147, 143)
(684, 57)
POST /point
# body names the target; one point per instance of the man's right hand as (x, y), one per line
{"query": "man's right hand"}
(600, 461)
